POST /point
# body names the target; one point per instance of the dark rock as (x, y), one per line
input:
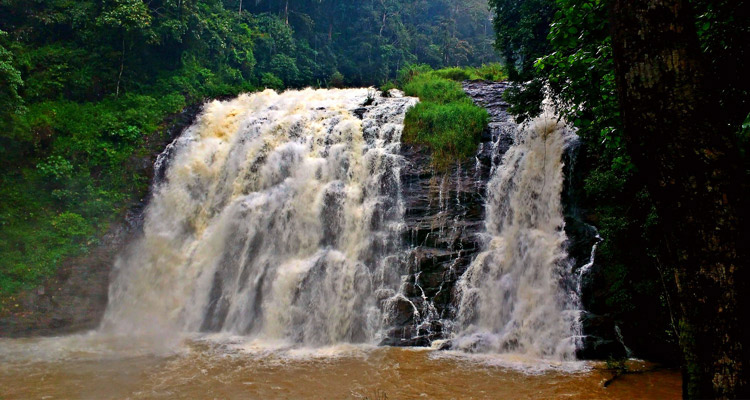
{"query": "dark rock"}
(444, 218)
(598, 348)
(600, 340)
(360, 112)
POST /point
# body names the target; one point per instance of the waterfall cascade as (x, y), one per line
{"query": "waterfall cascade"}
(517, 295)
(277, 216)
(281, 217)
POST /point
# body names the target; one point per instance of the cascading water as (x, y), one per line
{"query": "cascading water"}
(279, 216)
(515, 297)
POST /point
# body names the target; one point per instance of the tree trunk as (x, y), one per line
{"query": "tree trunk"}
(693, 171)
(122, 67)
(286, 12)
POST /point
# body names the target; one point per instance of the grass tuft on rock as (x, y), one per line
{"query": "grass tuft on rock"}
(445, 120)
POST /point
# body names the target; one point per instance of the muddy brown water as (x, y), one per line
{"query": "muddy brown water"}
(96, 369)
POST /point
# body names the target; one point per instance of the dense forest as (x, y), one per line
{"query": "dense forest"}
(85, 84)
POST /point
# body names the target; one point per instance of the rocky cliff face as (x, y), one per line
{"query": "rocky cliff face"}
(445, 219)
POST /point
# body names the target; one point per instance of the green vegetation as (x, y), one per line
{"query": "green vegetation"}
(446, 120)
(363, 43)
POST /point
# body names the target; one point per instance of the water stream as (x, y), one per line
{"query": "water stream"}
(514, 298)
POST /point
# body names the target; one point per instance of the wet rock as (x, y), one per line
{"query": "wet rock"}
(360, 112)
(444, 219)
(600, 340)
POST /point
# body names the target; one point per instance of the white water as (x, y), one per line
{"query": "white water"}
(513, 297)
(279, 218)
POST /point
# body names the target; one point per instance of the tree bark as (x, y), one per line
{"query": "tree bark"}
(122, 67)
(286, 12)
(694, 172)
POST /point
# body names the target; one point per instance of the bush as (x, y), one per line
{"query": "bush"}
(488, 72)
(387, 87)
(409, 72)
(336, 80)
(429, 87)
(454, 74)
(445, 120)
(55, 168)
(452, 131)
(72, 226)
(271, 81)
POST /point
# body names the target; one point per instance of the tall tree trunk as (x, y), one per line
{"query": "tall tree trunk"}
(694, 174)
(122, 67)
(286, 12)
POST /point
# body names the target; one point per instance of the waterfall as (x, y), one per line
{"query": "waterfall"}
(277, 216)
(516, 296)
(281, 217)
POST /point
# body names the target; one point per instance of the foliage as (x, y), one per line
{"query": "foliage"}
(519, 26)
(57, 202)
(336, 80)
(452, 130)
(369, 41)
(521, 29)
(10, 82)
(445, 120)
(270, 81)
(434, 88)
(489, 72)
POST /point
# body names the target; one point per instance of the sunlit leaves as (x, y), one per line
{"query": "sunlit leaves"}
(10, 82)
(130, 15)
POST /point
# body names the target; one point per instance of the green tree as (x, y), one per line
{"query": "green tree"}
(10, 83)
(131, 19)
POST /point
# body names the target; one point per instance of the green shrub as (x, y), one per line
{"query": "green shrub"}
(431, 88)
(454, 74)
(336, 80)
(72, 226)
(387, 87)
(452, 131)
(488, 72)
(55, 168)
(271, 81)
(411, 71)
(445, 120)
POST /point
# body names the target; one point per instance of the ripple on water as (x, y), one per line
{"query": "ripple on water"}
(91, 367)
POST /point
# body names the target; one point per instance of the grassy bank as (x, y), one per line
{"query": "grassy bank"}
(445, 120)
(78, 168)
